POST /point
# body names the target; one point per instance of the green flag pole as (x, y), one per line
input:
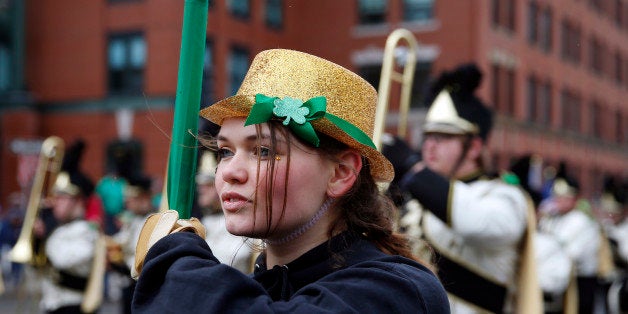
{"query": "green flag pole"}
(182, 158)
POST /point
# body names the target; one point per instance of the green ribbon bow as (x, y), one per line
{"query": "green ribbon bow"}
(297, 115)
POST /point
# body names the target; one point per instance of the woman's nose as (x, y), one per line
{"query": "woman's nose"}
(234, 169)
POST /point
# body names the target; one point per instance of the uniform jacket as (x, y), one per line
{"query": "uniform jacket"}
(227, 248)
(70, 249)
(477, 223)
(181, 275)
(579, 235)
(128, 235)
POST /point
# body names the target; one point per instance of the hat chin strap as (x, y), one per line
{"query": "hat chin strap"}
(466, 145)
(303, 228)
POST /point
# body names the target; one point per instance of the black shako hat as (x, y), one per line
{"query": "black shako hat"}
(454, 108)
(71, 180)
(564, 184)
(137, 185)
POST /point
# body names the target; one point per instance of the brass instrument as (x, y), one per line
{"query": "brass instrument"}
(389, 74)
(93, 297)
(49, 165)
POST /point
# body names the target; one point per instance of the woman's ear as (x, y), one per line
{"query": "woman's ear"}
(345, 173)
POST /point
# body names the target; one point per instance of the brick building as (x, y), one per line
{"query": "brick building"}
(556, 72)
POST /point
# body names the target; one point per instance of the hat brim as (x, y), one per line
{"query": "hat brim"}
(239, 106)
(436, 127)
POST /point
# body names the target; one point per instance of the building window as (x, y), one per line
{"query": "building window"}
(126, 59)
(371, 73)
(372, 11)
(545, 35)
(503, 89)
(539, 101)
(540, 26)
(238, 65)
(420, 82)
(117, 1)
(127, 154)
(596, 61)
(619, 68)
(545, 104)
(532, 95)
(207, 91)
(5, 67)
(571, 42)
(418, 10)
(274, 13)
(533, 22)
(619, 13)
(503, 14)
(239, 8)
(596, 119)
(621, 127)
(570, 110)
(596, 5)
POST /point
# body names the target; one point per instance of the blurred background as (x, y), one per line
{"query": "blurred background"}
(556, 72)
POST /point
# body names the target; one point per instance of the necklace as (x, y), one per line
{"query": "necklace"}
(299, 231)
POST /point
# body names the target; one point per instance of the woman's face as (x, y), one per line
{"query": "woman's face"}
(302, 186)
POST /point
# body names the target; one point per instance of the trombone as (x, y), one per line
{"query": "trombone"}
(50, 158)
(389, 74)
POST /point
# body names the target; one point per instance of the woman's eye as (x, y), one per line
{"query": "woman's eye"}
(263, 151)
(224, 153)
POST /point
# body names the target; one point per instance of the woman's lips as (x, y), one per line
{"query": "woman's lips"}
(233, 202)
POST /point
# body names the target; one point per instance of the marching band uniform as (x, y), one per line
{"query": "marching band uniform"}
(554, 266)
(555, 272)
(70, 250)
(578, 234)
(71, 245)
(618, 292)
(613, 205)
(121, 251)
(476, 225)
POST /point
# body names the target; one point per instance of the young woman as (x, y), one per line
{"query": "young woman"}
(298, 170)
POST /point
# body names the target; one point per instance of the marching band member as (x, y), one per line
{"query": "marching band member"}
(297, 168)
(578, 234)
(121, 247)
(614, 211)
(480, 228)
(554, 266)
(70, 247)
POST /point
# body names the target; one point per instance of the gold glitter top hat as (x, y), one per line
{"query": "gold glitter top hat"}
(288, 73)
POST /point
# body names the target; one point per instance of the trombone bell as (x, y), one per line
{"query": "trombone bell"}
(50, 158)
(389, 74)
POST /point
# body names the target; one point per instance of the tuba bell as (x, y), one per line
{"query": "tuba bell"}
(50, 159)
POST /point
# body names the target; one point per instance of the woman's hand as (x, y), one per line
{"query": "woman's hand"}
(158, 226)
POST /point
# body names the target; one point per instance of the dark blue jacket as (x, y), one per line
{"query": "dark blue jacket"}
(181, 275)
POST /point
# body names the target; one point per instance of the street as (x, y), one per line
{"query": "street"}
(19, 301)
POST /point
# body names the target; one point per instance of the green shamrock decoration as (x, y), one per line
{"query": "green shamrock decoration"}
(291, 108)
